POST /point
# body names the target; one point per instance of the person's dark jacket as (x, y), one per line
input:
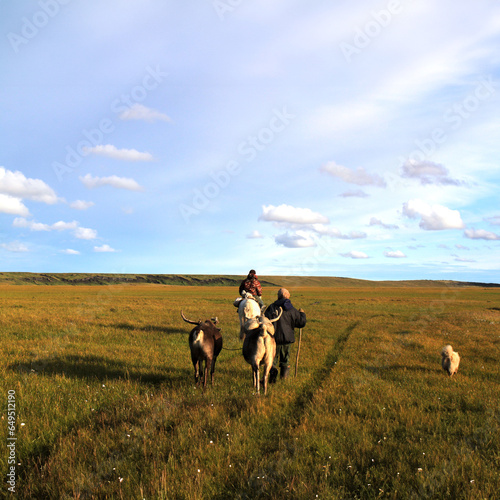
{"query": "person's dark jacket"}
(290, 319)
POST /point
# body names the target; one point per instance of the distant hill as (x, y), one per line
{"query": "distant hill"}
(214, 280)
(113, 279)
(330, 281)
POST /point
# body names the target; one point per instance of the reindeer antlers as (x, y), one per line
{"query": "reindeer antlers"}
(190, 321)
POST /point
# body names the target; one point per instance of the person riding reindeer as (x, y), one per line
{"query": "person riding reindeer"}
(251, 284)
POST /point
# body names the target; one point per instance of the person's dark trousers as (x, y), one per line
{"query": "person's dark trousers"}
(282, 359)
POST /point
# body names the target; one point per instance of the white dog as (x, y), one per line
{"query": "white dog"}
(450, 360)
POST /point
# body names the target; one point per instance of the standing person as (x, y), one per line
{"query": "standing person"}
(252, 285)
(284, 334)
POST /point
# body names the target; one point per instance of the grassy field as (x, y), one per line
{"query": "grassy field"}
(106, 407)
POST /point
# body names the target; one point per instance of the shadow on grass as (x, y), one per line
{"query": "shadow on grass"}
(381, 370)
(100, 368)
(276, 425)
(298, 406)
(403, 332)
(148, 328)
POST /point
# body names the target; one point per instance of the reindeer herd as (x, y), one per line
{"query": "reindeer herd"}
(259, 345)
(256, 331)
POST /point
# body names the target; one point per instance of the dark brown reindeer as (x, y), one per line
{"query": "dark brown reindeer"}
(205, 343)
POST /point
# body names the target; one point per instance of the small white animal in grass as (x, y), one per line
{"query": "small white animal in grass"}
(449, 360)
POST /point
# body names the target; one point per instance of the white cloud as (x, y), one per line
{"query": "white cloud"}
(353, 235)
(462, 259)
(39, 226)
(298, 240)
(355, 254)
(495, 220)
(85, 233)
(306, 224)
(111, 151)
(79, 232)
(291, 215)
(433, 217)
(480, 234)
(139, 112)
(395, 254)
(64, 226)
(30, 224)
(81, 205)
(254, 235)
(324, 230)
(336, 233)
(14, 246)
(11, 205)
(428, 172)
(16, 184)
(377, 222)
(113, 181)
(70, 251)
(354, 194)
(104, 248)
(359, 176)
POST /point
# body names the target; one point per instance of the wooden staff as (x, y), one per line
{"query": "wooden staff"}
(298, 351)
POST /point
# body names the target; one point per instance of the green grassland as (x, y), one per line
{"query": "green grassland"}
(106, 405)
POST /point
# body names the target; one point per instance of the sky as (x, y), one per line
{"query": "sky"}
(352, 139)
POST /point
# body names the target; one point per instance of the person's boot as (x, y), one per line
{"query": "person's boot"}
(285, 371)
(273, 375)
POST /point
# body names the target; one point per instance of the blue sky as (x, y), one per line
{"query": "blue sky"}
(357, 139)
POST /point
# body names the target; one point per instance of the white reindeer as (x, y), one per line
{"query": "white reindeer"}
(248, 308)
(259, 347)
